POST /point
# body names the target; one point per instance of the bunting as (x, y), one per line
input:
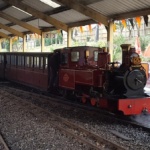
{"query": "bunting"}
(15, 39)
(124, 23)
(99, 24)
(81, 29)
(131, 22)
(90, 28)
(138, 20)
(114, 27)
(58, 31)
(146, 20)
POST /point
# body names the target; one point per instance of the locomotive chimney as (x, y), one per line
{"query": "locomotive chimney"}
(125, 53)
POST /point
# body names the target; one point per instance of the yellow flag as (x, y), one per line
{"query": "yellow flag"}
(114, 27)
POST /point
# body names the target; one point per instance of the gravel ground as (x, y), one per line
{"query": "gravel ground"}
(26, 129)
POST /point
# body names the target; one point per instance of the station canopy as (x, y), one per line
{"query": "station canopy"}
(19, 17)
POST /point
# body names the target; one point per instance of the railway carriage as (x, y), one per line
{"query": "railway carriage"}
(85, 73)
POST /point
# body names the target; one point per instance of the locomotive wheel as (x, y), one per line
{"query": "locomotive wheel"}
(83, 99)
(93, 101)
(63, 92)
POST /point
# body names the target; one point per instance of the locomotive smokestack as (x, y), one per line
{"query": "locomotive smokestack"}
(125, 53)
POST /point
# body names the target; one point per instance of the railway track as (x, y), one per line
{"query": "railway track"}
(38, 99)
(90, 139)
(41, 101)
(3, 144)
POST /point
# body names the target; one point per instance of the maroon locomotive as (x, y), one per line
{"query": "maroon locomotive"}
(86, 73)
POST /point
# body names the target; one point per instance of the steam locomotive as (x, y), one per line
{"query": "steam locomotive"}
(85, 73)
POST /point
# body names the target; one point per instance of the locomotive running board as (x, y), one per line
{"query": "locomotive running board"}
(134, 106)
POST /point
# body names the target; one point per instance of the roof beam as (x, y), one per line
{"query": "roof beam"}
(71, 25)
(132, 14)
(38, 14)
(21, 23)
(4, 35)
(86, 11)
(11, 30)
(55, 11)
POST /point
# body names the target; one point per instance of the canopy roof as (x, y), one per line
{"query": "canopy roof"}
(39, 16)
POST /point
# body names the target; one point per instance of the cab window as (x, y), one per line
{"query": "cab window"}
(64, 58)
(95, 55)
(74, 56)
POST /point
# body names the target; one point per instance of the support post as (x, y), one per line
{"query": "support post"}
(42, 42)
(10, 44)
(24, 43)
(110, 40)
(69, 37)
(0, 45)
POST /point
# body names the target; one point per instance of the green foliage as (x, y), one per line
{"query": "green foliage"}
(47, 41)
(38, 42)
(59, 39)
(117, 53)
(7, 45)
(145, 41)
(145, 59)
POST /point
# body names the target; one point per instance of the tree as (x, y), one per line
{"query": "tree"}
(117, 52)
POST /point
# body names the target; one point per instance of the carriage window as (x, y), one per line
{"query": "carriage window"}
(13, 60)
(8, 59)
(19, 60)
(41, 62)
(46, 62)
(1, 58)
(36, 62)
(64, 58)
(35, 65)
(74, 56)
(95, 55)
(31, 62)
(27, 61)
(22, 60)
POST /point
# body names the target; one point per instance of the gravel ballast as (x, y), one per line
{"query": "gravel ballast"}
(26, 127)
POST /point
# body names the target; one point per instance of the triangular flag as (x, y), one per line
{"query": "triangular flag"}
(131, 22)
(124, 23)
(146, 20)
(99, 24)
(114, 27)
(58, 31)
(138, 20)
(81, 29)
(61, 32)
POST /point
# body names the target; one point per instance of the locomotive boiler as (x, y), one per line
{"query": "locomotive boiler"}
(128, 80)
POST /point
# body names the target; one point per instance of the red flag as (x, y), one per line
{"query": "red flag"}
(124, 23)
(138, 20)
